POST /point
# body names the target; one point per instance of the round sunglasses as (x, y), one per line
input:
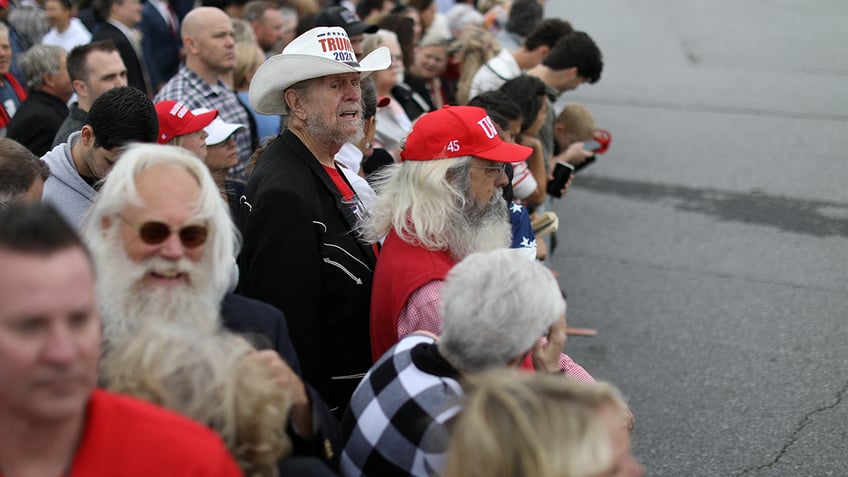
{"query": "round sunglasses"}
(154, 233)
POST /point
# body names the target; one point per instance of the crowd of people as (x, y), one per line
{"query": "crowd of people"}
(292, 237)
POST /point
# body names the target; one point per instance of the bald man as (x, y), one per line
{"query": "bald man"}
(210, 49)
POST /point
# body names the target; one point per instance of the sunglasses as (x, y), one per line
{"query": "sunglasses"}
(154, 233)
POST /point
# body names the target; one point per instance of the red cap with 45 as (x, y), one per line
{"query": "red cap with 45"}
(457, 131)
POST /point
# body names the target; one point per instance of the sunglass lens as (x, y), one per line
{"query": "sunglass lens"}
(153, 233)
(193, 235)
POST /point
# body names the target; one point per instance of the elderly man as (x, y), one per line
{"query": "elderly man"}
(43, 112)
(443, 202)
(13, 93)
(54, 420)
(298, 210)
(496, 306)
(210, 50)
(93, 69)
(118, 117)
(164, 248)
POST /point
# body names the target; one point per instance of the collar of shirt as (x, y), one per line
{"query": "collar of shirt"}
(195, 81)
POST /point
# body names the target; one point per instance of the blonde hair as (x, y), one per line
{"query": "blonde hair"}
(577, 121)
(207, 378)
(476, 46)
(544, 425)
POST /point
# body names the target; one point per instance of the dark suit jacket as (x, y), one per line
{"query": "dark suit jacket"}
(36, 122)
(135, 75)
(265, 327)
(161, 47)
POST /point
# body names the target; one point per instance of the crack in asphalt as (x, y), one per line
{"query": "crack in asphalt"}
(795, 434)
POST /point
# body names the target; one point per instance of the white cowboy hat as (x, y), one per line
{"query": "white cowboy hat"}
(321, 51)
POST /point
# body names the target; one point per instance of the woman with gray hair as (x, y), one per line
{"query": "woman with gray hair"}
(42, 113)
(496, 305)
(216, 379)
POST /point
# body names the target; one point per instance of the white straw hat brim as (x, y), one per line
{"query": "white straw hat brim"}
(280, 72)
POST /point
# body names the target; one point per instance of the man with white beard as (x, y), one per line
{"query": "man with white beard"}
(164, 249)
(440, 204)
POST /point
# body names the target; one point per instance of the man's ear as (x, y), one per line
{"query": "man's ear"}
(80, 88)
(293, 101)
(87, 136)
(189, 45)
(542, 52)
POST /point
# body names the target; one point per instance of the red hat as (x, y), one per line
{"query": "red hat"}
(176, 119)
(456, 131)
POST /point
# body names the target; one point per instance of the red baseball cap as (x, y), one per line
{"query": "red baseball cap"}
(456, 131)
(176, 119)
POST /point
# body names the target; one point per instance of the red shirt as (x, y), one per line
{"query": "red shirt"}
(128, 437)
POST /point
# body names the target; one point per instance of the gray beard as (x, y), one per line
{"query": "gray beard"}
(127, 303)
(326, 135)
(480, 228)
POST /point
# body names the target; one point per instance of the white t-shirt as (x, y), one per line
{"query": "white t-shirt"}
(76, 34)
(494, 73)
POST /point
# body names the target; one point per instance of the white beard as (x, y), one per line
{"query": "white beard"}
(127, 303)
(480, 228)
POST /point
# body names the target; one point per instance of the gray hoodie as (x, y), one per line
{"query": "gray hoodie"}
(66, 189)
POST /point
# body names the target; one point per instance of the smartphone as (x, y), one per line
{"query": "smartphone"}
(562, 172)
(592, 145)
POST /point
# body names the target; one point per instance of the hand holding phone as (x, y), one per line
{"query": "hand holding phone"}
(562, 172)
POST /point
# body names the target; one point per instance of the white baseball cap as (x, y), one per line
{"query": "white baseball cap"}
(218, 130)
(321, 51)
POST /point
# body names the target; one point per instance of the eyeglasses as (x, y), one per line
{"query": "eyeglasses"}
(493, 170)
(154, 233)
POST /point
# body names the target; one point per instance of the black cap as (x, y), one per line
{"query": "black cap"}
(341, 16)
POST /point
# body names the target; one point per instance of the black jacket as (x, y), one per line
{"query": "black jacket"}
(36, 122)
(265, 327)
(135, 74)
(301, 255)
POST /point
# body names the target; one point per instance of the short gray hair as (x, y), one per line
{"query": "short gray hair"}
(495, 305)
(41, 60)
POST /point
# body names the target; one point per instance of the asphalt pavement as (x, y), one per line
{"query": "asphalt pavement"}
(709, 246)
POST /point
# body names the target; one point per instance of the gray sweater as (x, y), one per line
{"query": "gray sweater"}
(66, 189)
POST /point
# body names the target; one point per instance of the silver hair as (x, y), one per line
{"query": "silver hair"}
(209, 378)
(41, 60)
(119, 191)
(419, 199)
(495, 305)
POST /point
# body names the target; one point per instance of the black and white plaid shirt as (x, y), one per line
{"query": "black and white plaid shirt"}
(396, 422)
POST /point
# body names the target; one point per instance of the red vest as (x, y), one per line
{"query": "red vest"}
(401, 269)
